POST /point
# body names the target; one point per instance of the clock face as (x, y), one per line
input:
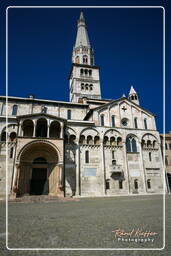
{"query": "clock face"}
(124, 121)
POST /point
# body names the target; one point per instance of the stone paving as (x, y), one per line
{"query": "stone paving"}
(85, 223)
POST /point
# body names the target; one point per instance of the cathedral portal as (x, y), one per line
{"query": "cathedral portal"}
(38, 171)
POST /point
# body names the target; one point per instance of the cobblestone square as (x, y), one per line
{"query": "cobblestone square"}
(85, 223)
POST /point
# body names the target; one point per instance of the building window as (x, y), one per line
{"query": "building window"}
(170, 146)
(81, 71)
(148, 183)
(85, 59)
(166, 161)
(11, 152)
(120, 184)
(87, 160)
(90, 72)
(14, 110)
(68, 114)
(102, 120)
(82, 86)
(124, 121)
(113, 154)
(145, 123)
(135, 123)
(91, 87)
(131, 145)
(134, 145)
(113, 121)
(166, 147)
(3, 136)
(136, 184)
(107, 184)
(77, 60)
(150, 156)
(114, 162)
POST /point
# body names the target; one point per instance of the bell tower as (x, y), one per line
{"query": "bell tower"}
(84, 75)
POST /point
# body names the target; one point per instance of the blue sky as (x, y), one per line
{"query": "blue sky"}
(127, 43)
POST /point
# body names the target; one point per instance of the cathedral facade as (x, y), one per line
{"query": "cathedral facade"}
(88, 146)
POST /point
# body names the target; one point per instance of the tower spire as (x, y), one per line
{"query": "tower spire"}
(82, 51)
(82, 38)
(133, 96)
(84, 75)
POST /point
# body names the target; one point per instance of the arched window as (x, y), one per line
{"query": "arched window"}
(69, 114)
(85, 59)
(13, 136)
(148, 183)
(154, 144)
(91, 87)
(128, 144)
(145, 124)
(82, 86)
(14, 110)
(113, 162)
(112, 141)
(135, 123)
(86, 86)
(82, 139)
(41, 128)
(87, 157)
(136, 184)
(72, 139)
(77, 60)
(113, 154)
(131, 145)
(55, 130)
(148, 143)
(119, 141)
(81, 71)
(96, 140)
(113, 121)
(90, 72)
(11, 152)
(102, 120)
(150, 156)
(120, 184)
(89, 140)
(85, 71)
(134, 145)
(3, 136)
(28, 127)
(106, 140)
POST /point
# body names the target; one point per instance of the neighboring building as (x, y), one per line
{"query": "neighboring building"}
(166, 152)
(86, 147)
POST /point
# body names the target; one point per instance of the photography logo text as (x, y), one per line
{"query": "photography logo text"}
(137, 235)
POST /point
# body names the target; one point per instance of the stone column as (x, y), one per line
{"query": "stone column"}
(20, 129)
(60, 185)
(143, 168)
(103, 165)
(62, 130)
(126, 165)
(77, 161)
(15, 180)
(34, 128)
(48, 128)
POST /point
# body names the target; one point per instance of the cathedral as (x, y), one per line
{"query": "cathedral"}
(86, 147)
